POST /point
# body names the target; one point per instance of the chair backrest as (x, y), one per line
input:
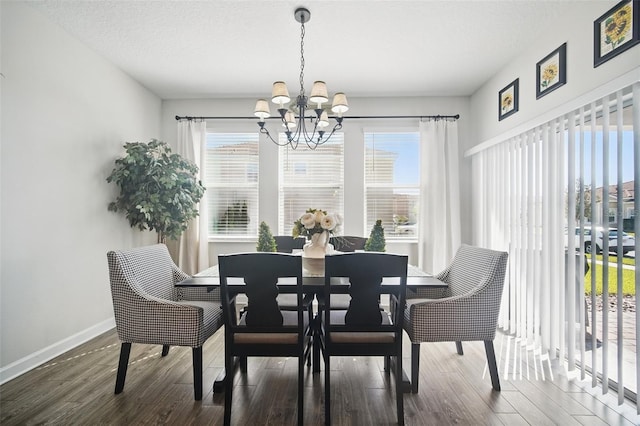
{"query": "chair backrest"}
(348, 243)
(138, 277)
(147, 271)
(476, 269)
(286, 243)
(365, 273)
(260, 273)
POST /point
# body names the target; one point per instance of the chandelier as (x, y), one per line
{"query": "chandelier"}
(297, 131)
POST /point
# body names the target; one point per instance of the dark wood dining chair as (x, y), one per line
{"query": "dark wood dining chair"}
(263, 329)
(344, 244)
(348, 243)
(286, 243)
(364, 329)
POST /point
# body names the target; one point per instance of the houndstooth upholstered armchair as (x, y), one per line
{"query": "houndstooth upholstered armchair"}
(149, 309)
(466, 310)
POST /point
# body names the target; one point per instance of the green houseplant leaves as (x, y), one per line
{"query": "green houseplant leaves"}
(158, 189)
(376, 241)
(266, 242)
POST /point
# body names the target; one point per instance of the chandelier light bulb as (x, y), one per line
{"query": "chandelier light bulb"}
(340, 104)
(290, 120)
(262, 109)
(324, 120)
(280, 93)
(319, 94)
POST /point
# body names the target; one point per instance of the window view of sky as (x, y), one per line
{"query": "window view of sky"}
(627, 157)
(407, 147)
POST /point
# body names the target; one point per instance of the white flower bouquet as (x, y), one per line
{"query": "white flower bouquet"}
(316, 221)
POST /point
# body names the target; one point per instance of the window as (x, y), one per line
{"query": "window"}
(232, 183)
(310, 179)
(392, 182)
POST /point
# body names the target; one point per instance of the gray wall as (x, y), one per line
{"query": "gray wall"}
(66, 113)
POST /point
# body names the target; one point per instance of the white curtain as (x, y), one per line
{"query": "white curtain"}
(439, 231)
(192, 249)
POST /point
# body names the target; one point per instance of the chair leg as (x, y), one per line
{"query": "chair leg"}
(399, 390)
(316, 350)
(308, 346)
(415, 366)
(197, 372)
(311, 334)
(243, 363)
(327, 392)
(165, 350)
(387, 362)
(459, 348)
(493, 367)
(125, 350)
(228, 384)
(301, 360)
(308, 351)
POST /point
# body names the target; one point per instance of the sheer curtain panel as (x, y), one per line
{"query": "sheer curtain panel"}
(439, 232)
(191, 251)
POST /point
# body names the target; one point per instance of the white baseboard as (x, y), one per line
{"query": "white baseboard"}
(35, 359)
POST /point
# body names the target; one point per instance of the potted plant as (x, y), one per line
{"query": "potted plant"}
(376, 241)
(266, 242)
(158, 190)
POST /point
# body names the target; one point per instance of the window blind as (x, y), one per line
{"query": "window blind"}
(232, 183)
(392, 182)
(554, 198)
(310, 179)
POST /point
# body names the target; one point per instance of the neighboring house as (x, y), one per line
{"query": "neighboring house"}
(628, 199)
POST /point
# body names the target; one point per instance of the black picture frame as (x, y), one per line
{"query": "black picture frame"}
(551, 71)
(508, 99)
(616, 31)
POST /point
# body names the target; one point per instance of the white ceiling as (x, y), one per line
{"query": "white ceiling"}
(203, 49)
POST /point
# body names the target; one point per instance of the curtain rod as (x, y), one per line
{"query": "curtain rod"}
(350, 117)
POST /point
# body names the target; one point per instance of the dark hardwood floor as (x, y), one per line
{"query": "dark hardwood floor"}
(77, 389)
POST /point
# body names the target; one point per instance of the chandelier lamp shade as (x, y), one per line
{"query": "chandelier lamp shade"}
(296, 129)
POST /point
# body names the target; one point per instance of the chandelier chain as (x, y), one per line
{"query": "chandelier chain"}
(302, 59)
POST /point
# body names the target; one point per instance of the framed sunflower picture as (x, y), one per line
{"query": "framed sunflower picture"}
(551, 72)
(616, 31)
(508, 100)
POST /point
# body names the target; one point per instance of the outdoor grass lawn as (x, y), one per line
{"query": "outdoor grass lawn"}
(628, 281)
(613, 259)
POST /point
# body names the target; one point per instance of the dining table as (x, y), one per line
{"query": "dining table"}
(313, 283)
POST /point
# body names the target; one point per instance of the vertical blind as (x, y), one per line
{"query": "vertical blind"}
(392, 182)
(548, 196)
(310, 179)
(232, 183)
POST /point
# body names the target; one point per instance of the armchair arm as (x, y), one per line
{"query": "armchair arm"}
(472, 316)
(151, 320)
(192, 293)
(178, 274)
